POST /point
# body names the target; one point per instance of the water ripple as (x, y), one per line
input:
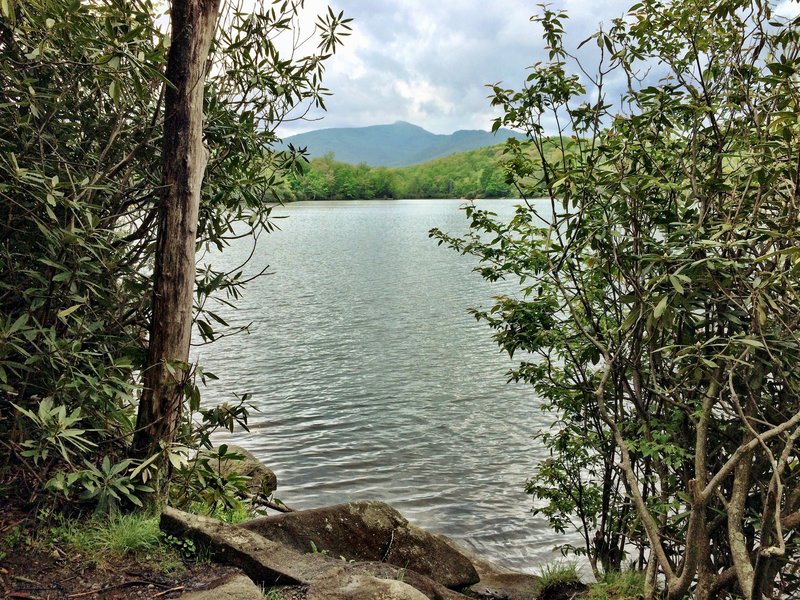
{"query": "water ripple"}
(373, 381)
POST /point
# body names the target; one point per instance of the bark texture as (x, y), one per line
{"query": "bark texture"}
(185, 158)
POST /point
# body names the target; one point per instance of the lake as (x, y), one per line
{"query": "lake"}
(374, 382)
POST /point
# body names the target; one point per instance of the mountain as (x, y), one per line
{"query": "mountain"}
(395, 145)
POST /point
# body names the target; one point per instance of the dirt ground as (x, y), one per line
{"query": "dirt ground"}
(51, 574)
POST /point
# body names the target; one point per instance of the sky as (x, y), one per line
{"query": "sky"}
(428, 61)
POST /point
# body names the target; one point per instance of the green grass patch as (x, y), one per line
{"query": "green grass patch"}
(558, 573)
(234, 515)
(134, 536)
(627, 585)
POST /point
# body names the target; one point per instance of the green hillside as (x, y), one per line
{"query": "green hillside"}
(396, 145)
(474, 174)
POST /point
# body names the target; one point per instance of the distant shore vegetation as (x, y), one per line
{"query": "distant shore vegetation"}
(479, 173)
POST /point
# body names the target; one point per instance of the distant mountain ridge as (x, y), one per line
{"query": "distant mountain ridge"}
(396, 145)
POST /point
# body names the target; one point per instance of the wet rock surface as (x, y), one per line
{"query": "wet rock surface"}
(369, 531)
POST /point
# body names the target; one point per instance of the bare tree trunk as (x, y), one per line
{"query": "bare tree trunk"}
(185, 158)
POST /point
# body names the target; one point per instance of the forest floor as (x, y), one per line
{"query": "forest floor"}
(33, 566)
(36, 565)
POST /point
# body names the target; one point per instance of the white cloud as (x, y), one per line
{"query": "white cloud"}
(788, 9)
(429, 62)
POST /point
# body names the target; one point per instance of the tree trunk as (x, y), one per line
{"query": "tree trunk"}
(184, 160)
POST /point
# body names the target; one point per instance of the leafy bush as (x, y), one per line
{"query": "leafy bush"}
(660, 303)
(81, 118)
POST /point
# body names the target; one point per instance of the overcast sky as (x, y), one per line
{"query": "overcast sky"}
(428, 61)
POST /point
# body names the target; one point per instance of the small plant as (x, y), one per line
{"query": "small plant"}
(52, 429)
(315, 550)
(616, 585)
(110, 484)
(186, 547)
(559, 573)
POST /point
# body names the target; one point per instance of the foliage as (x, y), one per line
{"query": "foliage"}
(203, 483)
(475, 174)
(616, 585)
(81, 93)
(101, 539)
(556, 574)
(660, 299)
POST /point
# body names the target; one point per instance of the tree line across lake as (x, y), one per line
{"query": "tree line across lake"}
(479, 173)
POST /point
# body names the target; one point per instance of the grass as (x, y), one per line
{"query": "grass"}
(625, 585)
(123, 536)
(558, 573)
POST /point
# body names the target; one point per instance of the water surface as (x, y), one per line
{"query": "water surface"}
(373, 380)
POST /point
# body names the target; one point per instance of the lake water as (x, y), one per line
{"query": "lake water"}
(374, 382)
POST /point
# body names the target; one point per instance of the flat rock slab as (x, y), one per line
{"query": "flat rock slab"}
(430, 588)
(272, 563)
(263, 560)
(508, 586)
(369, 531)
(238, 587)
(343, 584)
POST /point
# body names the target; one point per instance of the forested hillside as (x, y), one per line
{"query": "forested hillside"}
(397, 145)
(474, 174)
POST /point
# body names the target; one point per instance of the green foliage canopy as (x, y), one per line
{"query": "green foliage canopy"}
(476, 173)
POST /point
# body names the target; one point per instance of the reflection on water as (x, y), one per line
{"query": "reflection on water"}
(374, 382)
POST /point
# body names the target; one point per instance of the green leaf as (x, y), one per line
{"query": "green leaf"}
(676, 283)
(68, 311)
(18, 324)
(751, 342)
(660, 308)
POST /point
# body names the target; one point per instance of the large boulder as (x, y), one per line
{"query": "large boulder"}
(369, 531)
(273, 563)
(263, 481)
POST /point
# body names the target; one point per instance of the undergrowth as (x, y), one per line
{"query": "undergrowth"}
(615, 585)
(100, 540)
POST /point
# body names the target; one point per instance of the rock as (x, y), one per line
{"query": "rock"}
(263, 481)
(343, 584)
(430, 588)
(508, 586)
(236, 587)
(498, 582)
(271, 563)
(264, 561)
(369, 531)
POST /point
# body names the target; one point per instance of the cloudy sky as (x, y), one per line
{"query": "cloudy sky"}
(427, 62)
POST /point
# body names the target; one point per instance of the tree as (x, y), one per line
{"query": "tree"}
(184, 158)
(661, 284)
(82, 91)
